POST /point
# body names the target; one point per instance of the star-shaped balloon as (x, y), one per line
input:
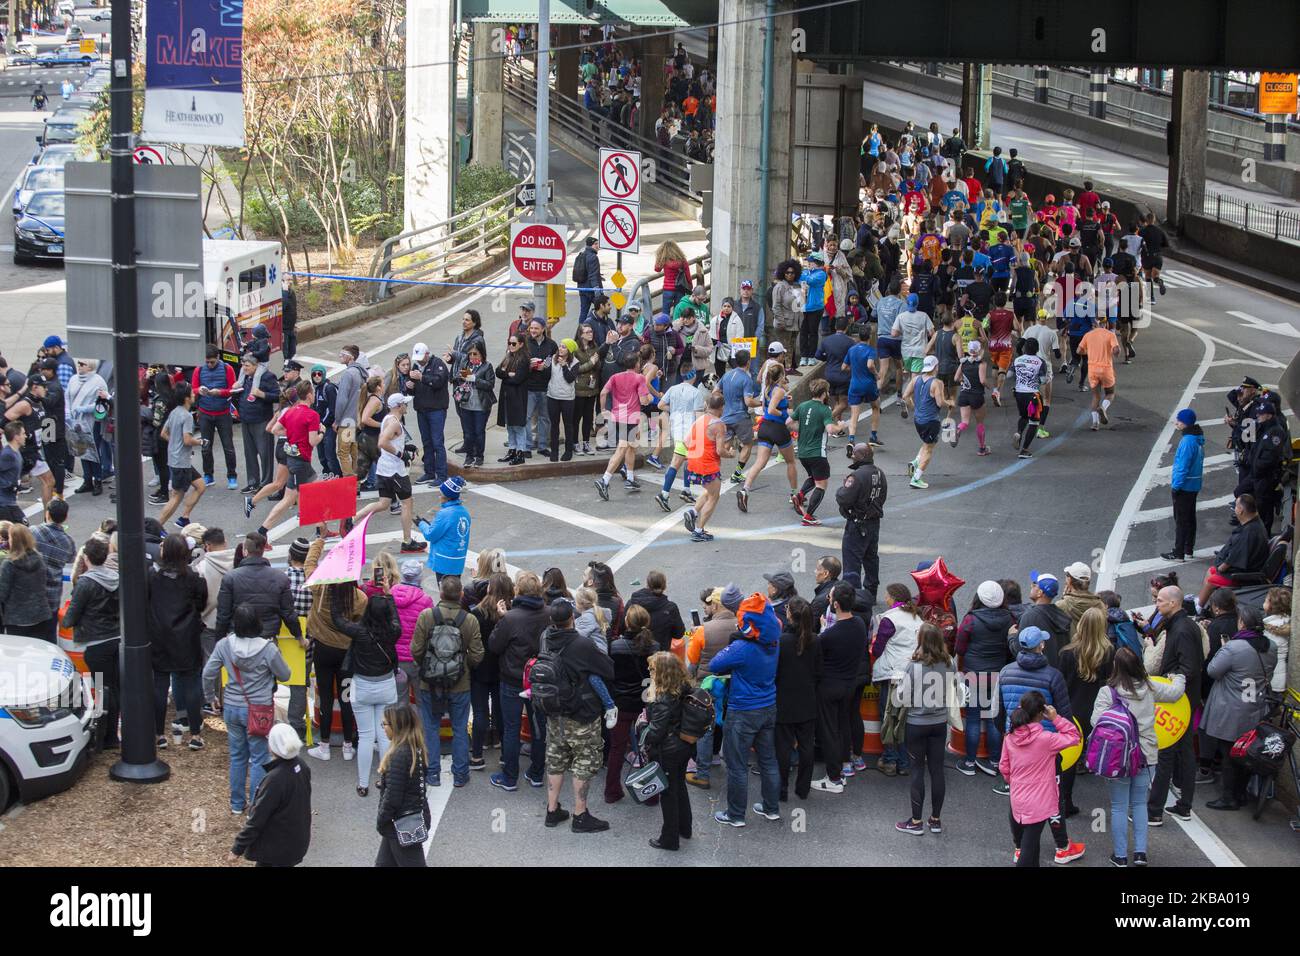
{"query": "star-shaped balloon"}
(937, 585)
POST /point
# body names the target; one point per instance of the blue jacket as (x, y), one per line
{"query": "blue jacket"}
(448, 537)
(816, 279)
(1189, 459)
(752, 666)
(1030, 671)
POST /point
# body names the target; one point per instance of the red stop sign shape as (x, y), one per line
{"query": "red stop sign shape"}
(537, 253)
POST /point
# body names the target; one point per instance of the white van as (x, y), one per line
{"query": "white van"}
(47, 719)
(242, 287)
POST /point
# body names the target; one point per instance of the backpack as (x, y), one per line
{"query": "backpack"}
(1263, 748)
(580, 269)
(1126, 635)
(697, 715)
(554, 690)
(443, 663)
(1114, 748)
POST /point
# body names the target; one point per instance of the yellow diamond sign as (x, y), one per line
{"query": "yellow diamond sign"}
(619, 299)
(619, 281)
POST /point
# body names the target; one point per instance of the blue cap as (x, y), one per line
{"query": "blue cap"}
(53, 341)
(1032, 636)
(1186, 416)
(662, 319)
(912, 300)
(1047, 583)
(452, 487)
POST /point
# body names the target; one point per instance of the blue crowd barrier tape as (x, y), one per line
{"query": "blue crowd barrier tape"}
(455, 285)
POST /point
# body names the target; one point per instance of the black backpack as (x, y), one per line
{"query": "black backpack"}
(443, 663)
(554, 686)
(697, 715)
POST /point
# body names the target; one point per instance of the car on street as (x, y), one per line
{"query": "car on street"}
(60, 153)
(38, 232)
(64, 56)
(36, 179)
(102, 13)
(67, 8)
(47, 720)
(74, 32)
(62, 127)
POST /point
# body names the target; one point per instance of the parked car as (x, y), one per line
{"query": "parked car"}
(38, 232)
(33, 180)
(65, 56)
(102, 13)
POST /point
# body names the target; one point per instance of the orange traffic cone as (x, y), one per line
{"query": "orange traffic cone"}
(957, 743)
(870, 710)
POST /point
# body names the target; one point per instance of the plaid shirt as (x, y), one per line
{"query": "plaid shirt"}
(301, 595)
(58, 550)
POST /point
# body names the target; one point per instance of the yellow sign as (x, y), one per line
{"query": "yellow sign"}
(555, 300)
(619, 280)
(1277, 93)
(749, 345)
(294, 654)
(1172, 720)
(87, 45)
(619, 300)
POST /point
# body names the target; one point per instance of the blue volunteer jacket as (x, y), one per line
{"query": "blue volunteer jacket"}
(752, 666)
(1030, 671)
(1189, 460)
(448, 537)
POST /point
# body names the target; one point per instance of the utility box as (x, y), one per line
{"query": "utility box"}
(827, 136)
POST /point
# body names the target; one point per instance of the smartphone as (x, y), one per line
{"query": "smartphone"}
(695, 618)
(378, 576)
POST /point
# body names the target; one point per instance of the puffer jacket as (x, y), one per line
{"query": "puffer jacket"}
(255, 583)
(1277, 628)
(662, 737)
(22, 591)
(374, 651)
(278, 829)
(320, 620)
(1030, 671)
(401, 790)
(631, 671)
(410, 600)
(176, 605)
(982, 639)
(517, 636)
(1029, 764)
(665, 619)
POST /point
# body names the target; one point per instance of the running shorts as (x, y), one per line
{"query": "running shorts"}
(1001, 359)
(1153, 262)
(1025, 308)
(742, 431)
(929, 431)
(888, 348)
(394, 487)
(300, 473)
(913, 364)
(819, 469)
(864, 397)
(182, 478)
(628, 433)
(1103, 377)
(773, 435)
(679, 448)
(967, 399)
(839, 388)
(280, 455)
(708, 479)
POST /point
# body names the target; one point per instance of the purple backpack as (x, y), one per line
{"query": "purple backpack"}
(1114, 747)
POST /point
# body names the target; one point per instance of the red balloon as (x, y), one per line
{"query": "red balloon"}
(937, 585)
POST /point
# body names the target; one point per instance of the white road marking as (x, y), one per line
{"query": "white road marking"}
(1219, 363)
(1147, 565)
(1277, 328)
(587, 522)
(1208, 842)
(1254, 356)
(1210, 463)
(307, 361)
(439, 797)
(1215, 389)
(1159, 514)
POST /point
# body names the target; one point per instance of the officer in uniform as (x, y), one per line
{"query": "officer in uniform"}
(861, 500)
(1240, 418)
(1269, 454)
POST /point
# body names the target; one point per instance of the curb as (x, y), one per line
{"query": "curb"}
(1187, 252)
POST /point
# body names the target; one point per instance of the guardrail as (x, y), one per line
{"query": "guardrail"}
(1252, 217)
(701, 268)
(596, 131)
(460, 238)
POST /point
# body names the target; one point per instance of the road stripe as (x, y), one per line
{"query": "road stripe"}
(1257, 358)
(307, 361)
(1215, 389)
(587, 522)
(1159, 514)
(439, 797)
(1208, 842)
(1220, 363)
(1213, 461)
(1147, 565)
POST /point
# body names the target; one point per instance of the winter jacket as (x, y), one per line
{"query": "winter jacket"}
(982, 639)
(278, 829)
(901, 644)
(1189, 460)
(1083, 694)
(1183, 652)
(23, 591)
(821, 597)
(327, 396)
(587, 625)
(1029, 764)
(320, 620)
(586, 270)
(1030, 671)
(213, 566)
(431, 393)
(176, 603)
(662, 737)
(665, 619)
(256, 584)
(411, 601)
(57, 549)
(512, 408)
(631, 671)
(260, 666)
(587, 383)
(752, 666)
(253, 410)
(614, 354)
(448, 537)
(581, 659)
(796, 681)
(786, 311)
(374, 650)
(471, 642)
(221, 380)
(1242, 670)
(706, 640)
(1074, 603)
(539, 379)
(517, 636)
(350, 383)
(1277, 628)
(460, 349)
(401, 790)
(700, 345)
(560, 384)
(93, 612)
(1143, 707)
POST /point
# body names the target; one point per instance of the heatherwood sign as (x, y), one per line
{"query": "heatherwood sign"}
(193, 84)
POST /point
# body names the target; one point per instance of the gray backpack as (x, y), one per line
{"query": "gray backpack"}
(443, 663)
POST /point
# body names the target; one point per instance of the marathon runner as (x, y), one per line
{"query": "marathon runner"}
(861, 364)
(773, 432)
(740, 394)
(706, 447)
(927, 395)
(626, 391)
(1099, 347)
(391, 478)
(1030, 373)
(816, 420)
(1048, 351)
(1001, 326)
(684, 403)
(1154, 243)
(970, 397)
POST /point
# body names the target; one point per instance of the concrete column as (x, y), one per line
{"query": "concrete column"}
(430, 113)
(737, 167)
(1275, 141)
(1187, 129)
(655, 52)
(976, 105)
(489, 97)
(566, 61)
(1097, 94)
(1041, 74)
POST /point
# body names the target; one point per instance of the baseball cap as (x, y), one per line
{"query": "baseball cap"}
(528, 306)
(591, 240)
(633, 306)
(1105, 204)
(1047, 583)
(747, 283)
(397, 398)
(1079, 571)
(53, 341)
(990, 593)
(662, 319)
(929, 364)
(1075, 242)
(1263, 407)
(420, 352)
(1032, 636)
(776, 348)
(782, 580)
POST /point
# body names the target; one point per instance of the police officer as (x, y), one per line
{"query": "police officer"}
(1268, 457)
(861, 501)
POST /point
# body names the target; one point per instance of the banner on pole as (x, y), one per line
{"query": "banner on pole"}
(193, 86)
(345, 561)
(327, 500)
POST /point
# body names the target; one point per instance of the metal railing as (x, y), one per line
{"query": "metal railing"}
(701, 269)
(462, 238)
(1252, 217)
(672, 168)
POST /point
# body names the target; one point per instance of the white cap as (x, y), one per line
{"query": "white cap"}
(1079, 571)
(973, 347)
(929, 364)
(990, 594)
(776, 348)
(420, 352)
(397, 398)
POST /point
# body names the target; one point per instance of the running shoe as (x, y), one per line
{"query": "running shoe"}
(796, 501)
(1044, 433)
(1073, 851)
(395, 508)
(911, 826)
(911, 468)
(737, 476)
(687, 497)
(983, 452)
(413, 547)
(182, 522)
(207, 480)
(248, 506)
(689, 519)
(956, 436)
(935, 825)
(848, 771)
(722, 817)
(158, 498)
(631, 485)
(742, 500)
(661, 500)
(997, 398)
(1026, 453)
(1094, 427)
(700, 535)
(918, 482)
(232, 484)
(1069, 374)
(967, 767)
(811, 521)
(654, 462)
(848, 449)
(1101, 413)
(902, 409)
(602, 488)
(1161, 283)
(874, 440)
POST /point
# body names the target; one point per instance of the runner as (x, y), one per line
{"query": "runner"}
(862, 364)
(927, 395)
(1100, 346)
(706, 447)
(178, 431)
(27, 406)
(773, 432)
(1154, 242)
(627, 392)
(1001, 324)
(684, 403)
(914, 330)
(1132, 300)
(1049, 351)
(816, 420)
(391, 479)
(301, 429)
(740, 394)
(970, 399)
(1031, 374)
(887, 310)
(1078, 323)
(656, 421)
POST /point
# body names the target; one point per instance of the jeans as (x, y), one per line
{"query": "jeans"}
(105, 449)
(189, 699)
(473, 428)
(743, 730)
(512, 709)
(369, 698)
(259, 453)
(328, 450)
(1128, 795)
(538, 422)
(992, 728)
(1177, 761)
(223, 427)
(432, 425)
(925, 743)
(669, 300)
(584, 305)
(431, 710)
(247, 755)
(704, 754)
(517, 437)
(485, 705)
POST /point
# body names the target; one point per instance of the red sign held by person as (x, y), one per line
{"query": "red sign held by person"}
(537, 252)
(331, 500)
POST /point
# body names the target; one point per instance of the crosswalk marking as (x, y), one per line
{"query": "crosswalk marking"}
(579, 519)
(1212, 461)
(1185, 280)
(1159, 514)
(1147, 565)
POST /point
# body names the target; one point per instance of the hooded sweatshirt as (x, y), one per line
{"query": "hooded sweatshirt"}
(410, 599)
(1074, 603)
(752, 665)
(1189, 460)
(259, 663)
(665, 619)
(22, 590)
(1053, 619)
(93, 611)
(213, 565)
(349, 389)
(1029, 764)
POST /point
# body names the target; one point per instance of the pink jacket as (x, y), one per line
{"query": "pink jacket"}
(410, 601)
(1029, 764)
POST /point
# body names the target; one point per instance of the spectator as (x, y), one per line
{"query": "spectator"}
(630, 655)
(516, 640)
(57, 549)
(402, 770)
(665, 619)
(177, 596)
(277, 831)
(23, 587)
(330, 647)
(669, 687)
(796, 698)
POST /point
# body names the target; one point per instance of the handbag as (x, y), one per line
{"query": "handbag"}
(646, 783)
(411, 830)
(261, 717)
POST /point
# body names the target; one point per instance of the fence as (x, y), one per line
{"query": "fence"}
(1265, 220)
(701, 268)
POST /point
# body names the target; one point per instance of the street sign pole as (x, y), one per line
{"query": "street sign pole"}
(542, 123)
(618, 267)
(139, 763)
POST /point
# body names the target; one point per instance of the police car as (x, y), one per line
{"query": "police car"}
(47, 719)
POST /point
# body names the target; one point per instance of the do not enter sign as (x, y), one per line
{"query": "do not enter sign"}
(537, 252)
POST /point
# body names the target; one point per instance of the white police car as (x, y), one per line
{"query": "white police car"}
(47, 718)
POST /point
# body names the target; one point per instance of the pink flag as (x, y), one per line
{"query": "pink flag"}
(345, 561)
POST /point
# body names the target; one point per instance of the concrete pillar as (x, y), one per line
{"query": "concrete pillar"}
(655, 52)
(1187, 129)
(566, 61)
(1041, 74)
(976, 105)
(430, 113)
(489, 97)
(1097, 94)
(1275, 138)
(737, 167)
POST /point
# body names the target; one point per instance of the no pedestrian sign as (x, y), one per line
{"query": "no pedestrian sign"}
(537, 252)
(620, 175)
(620, 226)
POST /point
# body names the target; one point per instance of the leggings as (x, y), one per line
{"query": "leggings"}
(161, 470)
(584, 408)
(1027, 837)
(925, 743)
(1023, 426)
(483, 696)
(329, 683)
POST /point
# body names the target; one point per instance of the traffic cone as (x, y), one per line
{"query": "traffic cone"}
(870, 711)
(957, 743)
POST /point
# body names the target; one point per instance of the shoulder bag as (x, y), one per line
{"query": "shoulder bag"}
(261, 717)
(411, 829)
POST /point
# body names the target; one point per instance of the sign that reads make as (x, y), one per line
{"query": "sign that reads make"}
(193, 84)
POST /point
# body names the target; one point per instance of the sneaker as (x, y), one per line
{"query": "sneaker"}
(1204, 774)
(918, 482)
(1178, 813)
(1120, 861)
(796, 501)
(161, 742)
(983, 452)
(557, 816)
(1069, 374)
(967, 767)
(699, 534)
(349, 751)
(207, 480)
(847, 771)
(1044, 433)
(178, 728)
(935, 825)
(695, 780)
(742, 500)
(827, 785)
(499, 781)
(1139, 859)
(1002, 788)
(1072, 852)
(687, 497)
(181, 522)
(477, 763)
(654, 462)
(602, 488)
(956, 436)
(811, 521)
(1161, 282)
(586, 449)
(689, 519)
(631, 485)
(1175, 556)
(321, 751)
(874, 440)
(902, 410)
(196, 743)
(766, 814)
(987, 766)
(158, 498)
(721, 817)
(395, 508)
(911, 826)
(232, 484)
(848, 449)
(1101, 413)
(661, 500)
(534, 783)
(1153, 820)
(1025, 455)
(248, 506)
(859, 763)
(888, 769)
(1015, 855)
(737, 476)
(911, 468)
(413, 547)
